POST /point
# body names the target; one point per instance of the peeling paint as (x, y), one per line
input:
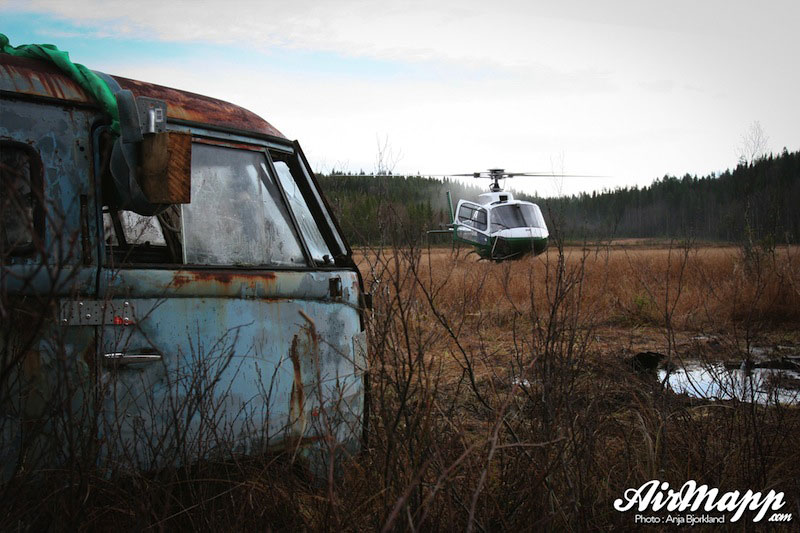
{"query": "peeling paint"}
(297, 398)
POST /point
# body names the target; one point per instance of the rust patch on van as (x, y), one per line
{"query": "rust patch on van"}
(304, 349)
(297, 399)
(39, 78)
(223, 277)
(311, 327)
(183, 105)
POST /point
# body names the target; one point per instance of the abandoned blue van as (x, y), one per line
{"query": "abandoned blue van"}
(172, 288)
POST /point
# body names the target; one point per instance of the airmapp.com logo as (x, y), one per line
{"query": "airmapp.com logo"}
(656, 496)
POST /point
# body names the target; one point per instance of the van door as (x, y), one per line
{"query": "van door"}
(48, 273)
(246, 335)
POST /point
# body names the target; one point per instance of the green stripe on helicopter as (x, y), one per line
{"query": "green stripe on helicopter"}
(504, 248)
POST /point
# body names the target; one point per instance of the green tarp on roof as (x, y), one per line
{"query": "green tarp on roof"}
(84, 77)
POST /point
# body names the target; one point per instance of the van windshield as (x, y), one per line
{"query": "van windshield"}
(516, 216)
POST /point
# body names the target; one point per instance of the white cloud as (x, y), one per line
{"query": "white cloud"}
(507, 33)
(634, 89)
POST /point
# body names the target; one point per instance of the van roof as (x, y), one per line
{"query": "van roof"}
(42, 79)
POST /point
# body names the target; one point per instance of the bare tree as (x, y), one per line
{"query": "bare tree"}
(753, 144)
(386, 159)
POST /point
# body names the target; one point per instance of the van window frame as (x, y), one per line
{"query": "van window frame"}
(36, 184)
(330, 229)
(312, 201)
(321, 211)
(119, 254)
(292, 219)
(124, 255)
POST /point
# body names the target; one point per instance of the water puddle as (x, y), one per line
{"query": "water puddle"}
(715, 381)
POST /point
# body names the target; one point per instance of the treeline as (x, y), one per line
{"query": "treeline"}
(757, 201)
(375, 209)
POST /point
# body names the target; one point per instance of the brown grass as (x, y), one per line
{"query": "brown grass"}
(566, 331)
(709, 289)
(501, 400)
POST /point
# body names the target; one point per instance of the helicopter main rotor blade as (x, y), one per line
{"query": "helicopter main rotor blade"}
(485, 175)
(532, 174)
(551, 175)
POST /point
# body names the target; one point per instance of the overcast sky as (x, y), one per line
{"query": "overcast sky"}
(632, 90)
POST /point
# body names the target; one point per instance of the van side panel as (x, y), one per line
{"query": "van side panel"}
(47, 390)
(248, 360)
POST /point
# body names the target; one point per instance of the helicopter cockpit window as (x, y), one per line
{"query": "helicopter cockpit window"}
(472, 216)
(517, 216)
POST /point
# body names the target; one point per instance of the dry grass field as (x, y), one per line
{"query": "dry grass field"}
(623, 297)
(697, 289)
(503, 397)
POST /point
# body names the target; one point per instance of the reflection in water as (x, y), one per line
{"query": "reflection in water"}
(714, 381)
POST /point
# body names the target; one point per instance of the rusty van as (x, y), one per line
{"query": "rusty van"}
(171, 290)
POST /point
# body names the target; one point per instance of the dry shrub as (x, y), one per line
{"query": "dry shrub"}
(499, 399)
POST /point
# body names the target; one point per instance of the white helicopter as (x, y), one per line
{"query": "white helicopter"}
(498, 226)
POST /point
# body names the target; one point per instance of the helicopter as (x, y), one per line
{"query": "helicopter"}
(498, 226)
